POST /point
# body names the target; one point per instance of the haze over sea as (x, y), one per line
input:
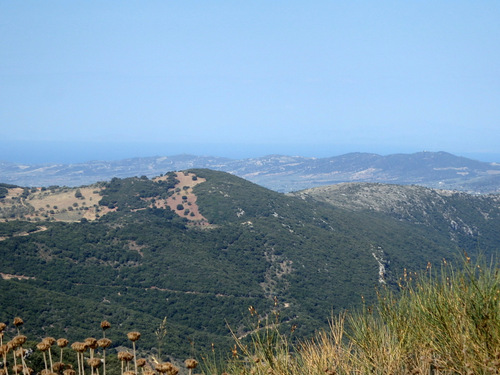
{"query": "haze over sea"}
(47, 152)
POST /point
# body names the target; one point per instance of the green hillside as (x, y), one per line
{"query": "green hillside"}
(140, 261)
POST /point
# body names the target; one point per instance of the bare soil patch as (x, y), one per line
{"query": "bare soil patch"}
(184, 196)
(74, 204)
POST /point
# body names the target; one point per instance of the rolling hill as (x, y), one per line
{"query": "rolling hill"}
(200, 247)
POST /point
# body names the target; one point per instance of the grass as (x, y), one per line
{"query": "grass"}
(445, 322)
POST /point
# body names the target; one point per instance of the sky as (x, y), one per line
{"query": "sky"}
(106, 80)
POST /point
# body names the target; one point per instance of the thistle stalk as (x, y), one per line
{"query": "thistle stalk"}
(134, 336)
(62, 343)
(104, 343)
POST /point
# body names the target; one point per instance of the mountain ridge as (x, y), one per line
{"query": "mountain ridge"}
(281, 173)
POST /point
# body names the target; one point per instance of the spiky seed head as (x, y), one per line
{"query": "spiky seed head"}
(104, 343)
(62, 343)
(105, 324)
(18, 369)
(163, 367)
(20, 352)
(2, 371)
(49, 340)
(79, 347)
(133, 336)
(69, 371)
(2, 326)
(43, 346)
(141, 362)
(19, 340)
(129, 373)
(125, 356)
(149, 372)
(3, 350)
(58, 366)
(121, 355)
(28, 371)
(191, 363)
(91, 342)
(94, 362)
(173, 371)
(18, 321)
(159, 367)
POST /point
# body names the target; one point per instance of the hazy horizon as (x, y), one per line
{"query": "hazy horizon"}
(109, 80)
(73, 153)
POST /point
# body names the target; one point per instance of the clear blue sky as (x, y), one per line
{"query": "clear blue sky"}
(84, 80)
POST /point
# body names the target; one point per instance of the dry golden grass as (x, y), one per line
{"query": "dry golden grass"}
(60, 204)
(446, 323)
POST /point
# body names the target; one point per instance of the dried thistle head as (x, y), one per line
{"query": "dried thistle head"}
(2, 326)
(125, 356)
(79, 347)
(173, 371)
(19, 340)
(18, 369)
(163, 367)
(104, 343)
(28, 371)
(91, 342)
(59, 366)
(141, 362)
(62, 343)
(43, 346)
(49, 340)
(105, 325)
(129, 373)
(191, 363)
(20, 352)
(18, 321)
(69, 371)
(94, 362)
(133, 336)
(2, 371)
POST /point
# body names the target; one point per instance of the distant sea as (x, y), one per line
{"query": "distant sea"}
(48, 152)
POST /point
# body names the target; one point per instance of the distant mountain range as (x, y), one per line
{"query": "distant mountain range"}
(277, 172)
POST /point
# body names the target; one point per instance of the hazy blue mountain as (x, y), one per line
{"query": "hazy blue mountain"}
(280, 173)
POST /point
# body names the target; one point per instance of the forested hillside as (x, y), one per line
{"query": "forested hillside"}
(139, 257)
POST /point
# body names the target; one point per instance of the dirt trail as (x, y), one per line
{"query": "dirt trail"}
(21, 234)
